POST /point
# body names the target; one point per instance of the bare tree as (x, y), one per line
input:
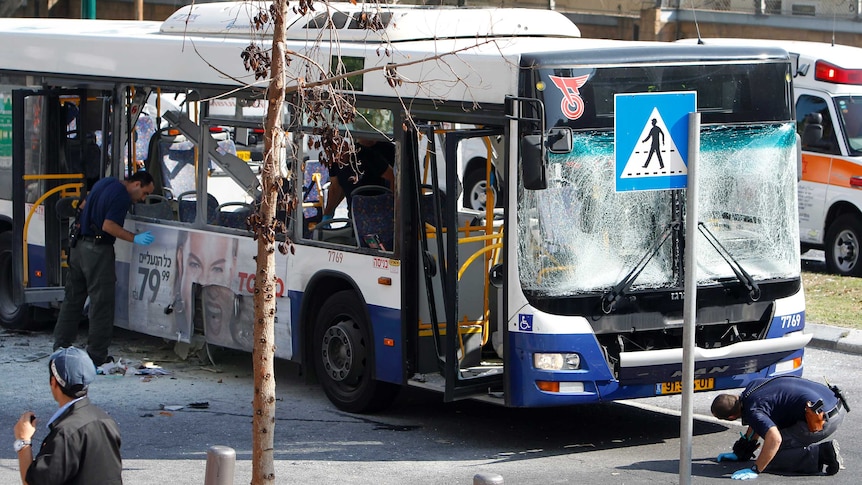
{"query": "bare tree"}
(322, 96)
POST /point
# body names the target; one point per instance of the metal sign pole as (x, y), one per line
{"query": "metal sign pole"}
(690, 310)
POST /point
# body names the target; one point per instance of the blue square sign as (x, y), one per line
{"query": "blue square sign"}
(651, 140)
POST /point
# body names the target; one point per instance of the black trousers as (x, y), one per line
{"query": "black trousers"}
(800, 448)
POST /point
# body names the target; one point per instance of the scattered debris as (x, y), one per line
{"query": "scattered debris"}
(199, 405)
(151, 369)
(117, 367)
(171, 408)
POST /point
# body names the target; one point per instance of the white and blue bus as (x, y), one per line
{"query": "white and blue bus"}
(559, 291)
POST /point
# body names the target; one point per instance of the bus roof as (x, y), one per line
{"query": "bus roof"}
(398, 23)
(207, 50)
(843, 55)
(832, 68)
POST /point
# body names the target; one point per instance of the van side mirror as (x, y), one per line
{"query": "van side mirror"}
(533, 169)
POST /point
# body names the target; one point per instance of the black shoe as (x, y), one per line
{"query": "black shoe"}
(831, 456)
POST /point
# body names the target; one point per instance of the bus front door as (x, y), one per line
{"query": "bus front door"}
(459, 246)
(57, 153)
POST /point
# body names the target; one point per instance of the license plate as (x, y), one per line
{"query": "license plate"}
(244, 155)
(706, 384)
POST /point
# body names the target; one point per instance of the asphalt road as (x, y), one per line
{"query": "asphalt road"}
(419, 440)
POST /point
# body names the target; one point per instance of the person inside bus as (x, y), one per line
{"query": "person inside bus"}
(372, 166)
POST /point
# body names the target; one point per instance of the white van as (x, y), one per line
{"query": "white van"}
(828, 94)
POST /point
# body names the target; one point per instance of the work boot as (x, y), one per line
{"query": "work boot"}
(830, 455)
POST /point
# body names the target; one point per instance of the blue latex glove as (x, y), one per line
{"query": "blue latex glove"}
(326, 218)
(144, 238)
(727, 457)
(744, 474)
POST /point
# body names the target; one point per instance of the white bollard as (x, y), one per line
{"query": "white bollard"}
(487, 479)
(221, 461)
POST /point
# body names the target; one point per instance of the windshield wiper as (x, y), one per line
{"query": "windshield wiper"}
(746, 279)
(610, 298)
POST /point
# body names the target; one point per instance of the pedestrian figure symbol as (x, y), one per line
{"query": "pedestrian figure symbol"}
(654, 143)
(655, 133)
(649, 127)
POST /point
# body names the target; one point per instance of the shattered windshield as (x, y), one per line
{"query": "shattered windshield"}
(580, 236)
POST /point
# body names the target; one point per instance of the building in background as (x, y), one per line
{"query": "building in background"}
(838, 21)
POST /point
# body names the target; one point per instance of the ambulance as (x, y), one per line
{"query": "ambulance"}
(828, 94)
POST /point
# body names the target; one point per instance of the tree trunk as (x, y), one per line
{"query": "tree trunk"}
(263, 421)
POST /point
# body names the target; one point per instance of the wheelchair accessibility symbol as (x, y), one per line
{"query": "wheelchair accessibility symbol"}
(525, 323)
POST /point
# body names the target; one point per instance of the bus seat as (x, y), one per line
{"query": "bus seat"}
(187, 207)
(233, 214)
(145, 128)
(336, 231)
(315, 178)
(427, 203)
(224, 147)
(154, 206)
(177, 158)
(373, 219)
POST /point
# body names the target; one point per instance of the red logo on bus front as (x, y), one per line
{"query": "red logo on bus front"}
(380, 263)
(572, 104)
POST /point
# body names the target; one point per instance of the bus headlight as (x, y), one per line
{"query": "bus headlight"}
(557, 361)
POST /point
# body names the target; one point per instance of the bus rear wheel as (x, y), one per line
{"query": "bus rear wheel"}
(843, 246)
(343, 356)
(13, 315)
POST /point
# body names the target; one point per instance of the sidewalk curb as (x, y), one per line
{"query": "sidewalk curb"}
(835, 338)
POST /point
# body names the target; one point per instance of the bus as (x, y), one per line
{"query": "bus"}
(565, 291)
(827, 82)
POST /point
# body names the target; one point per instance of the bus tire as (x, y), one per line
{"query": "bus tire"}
(842, 246)
(13, 315)
(343, 356)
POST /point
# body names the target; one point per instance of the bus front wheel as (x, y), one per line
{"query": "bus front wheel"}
(12, 315)
(843, 246)
(343, 356)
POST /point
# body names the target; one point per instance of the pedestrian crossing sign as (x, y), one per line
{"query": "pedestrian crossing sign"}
(651, 140)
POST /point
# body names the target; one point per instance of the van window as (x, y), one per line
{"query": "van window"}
(825, 141)
(850, 113)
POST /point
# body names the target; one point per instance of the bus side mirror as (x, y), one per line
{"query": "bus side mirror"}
(560, 140)
(533, 169)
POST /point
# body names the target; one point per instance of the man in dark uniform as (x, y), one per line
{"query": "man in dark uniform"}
(83, 442)
(91, 262)
(375, 160)
(774, 409)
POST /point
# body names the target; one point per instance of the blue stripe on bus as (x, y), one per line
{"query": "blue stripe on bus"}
(388, 360)
(36, 258)
(595, 375)
(386, 323)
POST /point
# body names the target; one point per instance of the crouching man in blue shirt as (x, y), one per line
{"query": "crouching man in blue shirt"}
(774, 409)
(83, 442)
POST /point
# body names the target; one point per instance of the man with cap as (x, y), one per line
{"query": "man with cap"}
(775, 409)
(83, 442)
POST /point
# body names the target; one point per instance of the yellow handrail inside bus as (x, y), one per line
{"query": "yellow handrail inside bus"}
(69, 189)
